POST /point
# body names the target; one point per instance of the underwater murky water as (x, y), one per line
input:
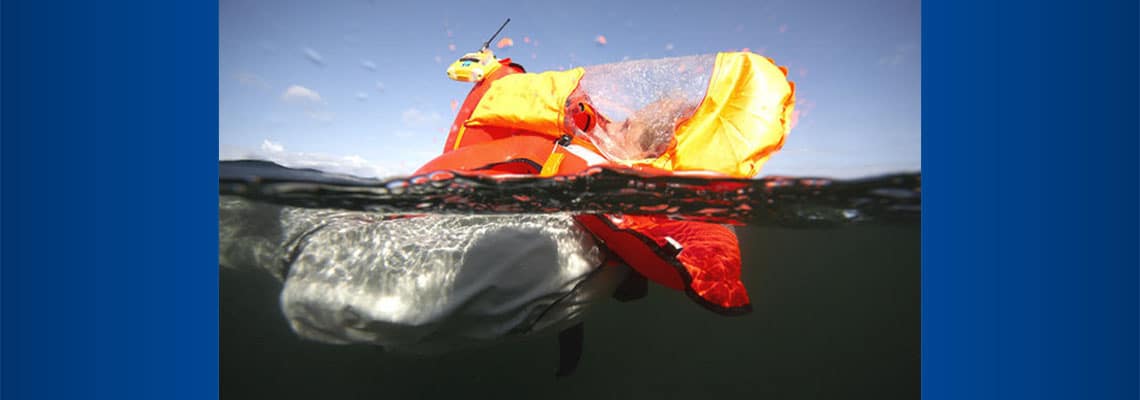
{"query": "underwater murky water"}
(832, 268)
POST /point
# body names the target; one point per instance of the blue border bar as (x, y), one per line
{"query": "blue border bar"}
(109, 171)
(1030, 215)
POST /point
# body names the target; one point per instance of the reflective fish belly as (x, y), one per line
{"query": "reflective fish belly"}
(425, 284)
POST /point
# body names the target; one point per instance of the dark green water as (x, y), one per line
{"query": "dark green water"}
(836, 315)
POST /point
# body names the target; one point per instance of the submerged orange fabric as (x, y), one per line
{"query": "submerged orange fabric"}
(707, 267)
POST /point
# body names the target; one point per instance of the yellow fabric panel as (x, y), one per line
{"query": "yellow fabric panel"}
(551, 166)
(743, 119)
(532, 102)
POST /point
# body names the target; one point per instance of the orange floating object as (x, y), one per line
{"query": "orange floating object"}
(563, 122)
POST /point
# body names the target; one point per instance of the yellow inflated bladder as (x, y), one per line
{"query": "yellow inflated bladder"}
(743, 118)
(529, 102)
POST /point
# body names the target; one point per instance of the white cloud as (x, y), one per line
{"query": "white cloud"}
(298, 92)
(361, 96)
(314, 56)
(380, 87)
(314, 103)
(369, 65)
(271, 147)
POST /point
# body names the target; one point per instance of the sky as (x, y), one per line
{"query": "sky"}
(359, 86)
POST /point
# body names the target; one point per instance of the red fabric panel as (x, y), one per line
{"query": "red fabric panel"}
(708, 266)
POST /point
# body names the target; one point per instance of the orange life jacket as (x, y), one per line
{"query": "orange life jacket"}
(741, 121)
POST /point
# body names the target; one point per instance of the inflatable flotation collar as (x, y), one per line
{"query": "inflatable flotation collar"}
(744, 117)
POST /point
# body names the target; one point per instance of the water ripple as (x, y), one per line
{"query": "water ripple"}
(780, 201)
